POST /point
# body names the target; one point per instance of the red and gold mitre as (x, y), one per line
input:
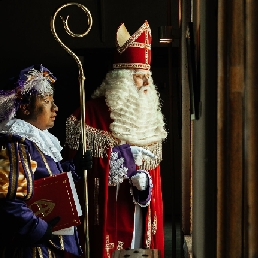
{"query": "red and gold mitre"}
(133, 52)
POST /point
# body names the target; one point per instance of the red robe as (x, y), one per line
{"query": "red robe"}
(111, 221)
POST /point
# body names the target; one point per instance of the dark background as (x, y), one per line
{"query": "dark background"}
(26, 39)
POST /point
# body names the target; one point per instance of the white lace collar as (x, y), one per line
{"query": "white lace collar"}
(46, 141)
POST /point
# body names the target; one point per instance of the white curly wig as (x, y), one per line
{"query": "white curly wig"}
(136, 113)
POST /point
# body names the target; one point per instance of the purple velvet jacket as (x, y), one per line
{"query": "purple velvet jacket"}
(20, 228)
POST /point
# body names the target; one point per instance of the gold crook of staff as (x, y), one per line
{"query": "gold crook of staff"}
(82, 99)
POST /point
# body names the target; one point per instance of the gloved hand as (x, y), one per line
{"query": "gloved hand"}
(48, 234)
(140, 181)
(138, 153)
(82, 162)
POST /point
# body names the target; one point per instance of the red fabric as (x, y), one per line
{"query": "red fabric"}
(132, 54)
(116, 218)
(156, 207)
(53, 195)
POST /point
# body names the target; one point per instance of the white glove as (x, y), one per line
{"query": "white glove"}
(138, 152)
(140, 181)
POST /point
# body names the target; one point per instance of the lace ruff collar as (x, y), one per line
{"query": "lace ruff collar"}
(46, 141)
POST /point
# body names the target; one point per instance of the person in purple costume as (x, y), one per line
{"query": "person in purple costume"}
(28, 152)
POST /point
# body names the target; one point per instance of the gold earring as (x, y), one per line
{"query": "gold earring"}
(26, 112)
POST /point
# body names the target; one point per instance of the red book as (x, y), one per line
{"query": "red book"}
(56, 196)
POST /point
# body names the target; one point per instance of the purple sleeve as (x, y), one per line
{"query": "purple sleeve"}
(123, 154)
(121, 164)
(124, 151)
(69, 166)
(21, 222)
(142, 198)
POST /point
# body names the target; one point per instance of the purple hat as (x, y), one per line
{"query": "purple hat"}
(35, 79)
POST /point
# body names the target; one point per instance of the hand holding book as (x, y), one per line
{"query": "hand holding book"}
(55, 196)
(48, 234)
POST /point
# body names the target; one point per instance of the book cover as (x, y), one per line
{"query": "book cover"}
(56, 196)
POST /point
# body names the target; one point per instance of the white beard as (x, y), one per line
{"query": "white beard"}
(137, 115)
